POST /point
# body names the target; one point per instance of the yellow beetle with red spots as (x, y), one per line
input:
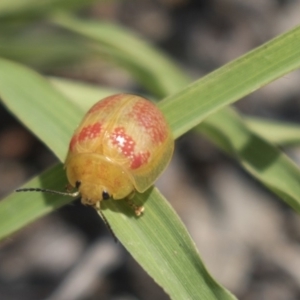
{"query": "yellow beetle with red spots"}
(122, 145)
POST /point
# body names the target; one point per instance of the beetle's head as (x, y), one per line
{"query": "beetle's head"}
(91, 193)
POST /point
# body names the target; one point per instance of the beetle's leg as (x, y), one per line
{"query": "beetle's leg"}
(137, 209)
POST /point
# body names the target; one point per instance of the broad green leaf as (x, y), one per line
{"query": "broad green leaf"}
(157, 240)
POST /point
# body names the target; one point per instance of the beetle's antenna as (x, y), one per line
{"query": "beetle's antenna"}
(74, 195)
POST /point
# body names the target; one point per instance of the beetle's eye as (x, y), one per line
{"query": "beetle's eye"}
(105, 195)
(77, 184)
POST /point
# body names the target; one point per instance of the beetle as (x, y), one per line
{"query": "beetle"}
(121, 146)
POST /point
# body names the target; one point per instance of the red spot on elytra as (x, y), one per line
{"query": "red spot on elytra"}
(106, 103)
(152, 119)
(139, 159)
(123, 141)
(89, 132)
(126, 145)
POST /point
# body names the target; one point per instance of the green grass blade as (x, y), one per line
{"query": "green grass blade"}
(152, 69)
(36, 8)
(20, 209)
(40, 49)
(158, 240)
(34, 101)
(193, 104)
(280, 133)
(264, 161)
(83, 95)
(160, 233)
